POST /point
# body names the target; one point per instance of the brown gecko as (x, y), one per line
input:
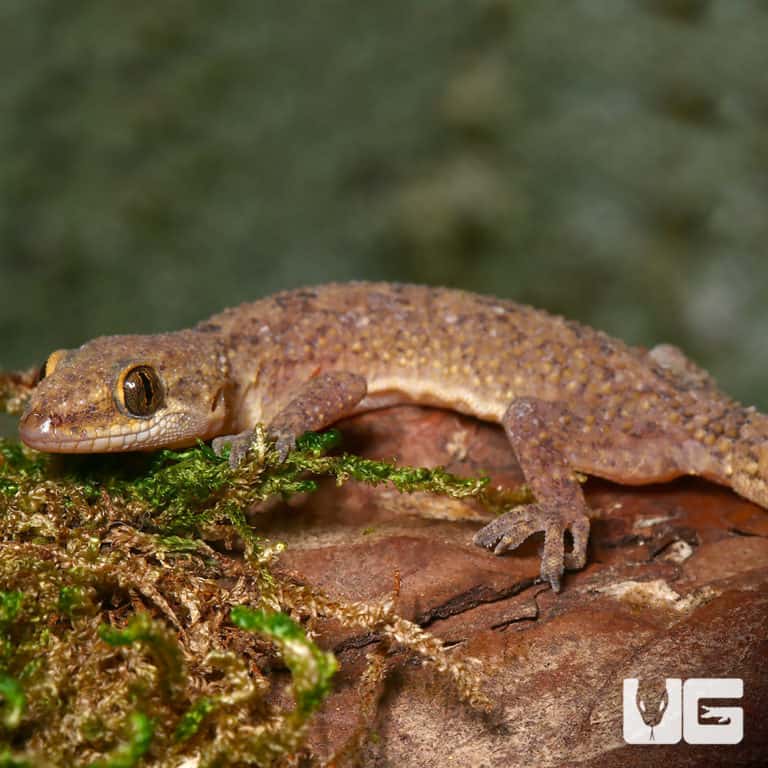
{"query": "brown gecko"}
(570, 398)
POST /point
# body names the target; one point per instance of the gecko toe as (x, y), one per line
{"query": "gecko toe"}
(553, 556)
(238, 447)
(285, 442)
(238, 452)
(577, 557)
(219, 444)
(508, 531)
(552, 579)
(488, 536)
(555, 560)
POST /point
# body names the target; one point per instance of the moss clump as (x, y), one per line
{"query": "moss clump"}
(131, 635)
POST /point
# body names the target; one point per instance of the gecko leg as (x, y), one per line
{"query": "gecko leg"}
(538, 431)
(323, 400)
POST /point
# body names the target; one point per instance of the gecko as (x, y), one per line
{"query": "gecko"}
(572, 400)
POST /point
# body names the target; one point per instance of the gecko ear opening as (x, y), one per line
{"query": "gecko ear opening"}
(141, 391)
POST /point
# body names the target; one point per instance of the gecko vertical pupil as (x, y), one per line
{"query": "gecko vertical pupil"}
(142, 391)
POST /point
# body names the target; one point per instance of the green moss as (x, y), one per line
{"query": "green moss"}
(17, 466)
(13, 702)
(311, 668)
(129, 754)
(125, 636)
(156, 638)
(319, 443)
(190, 723)
(10, 602)
(405, 479)
(7, 760)
(73, 599)
(178, 482)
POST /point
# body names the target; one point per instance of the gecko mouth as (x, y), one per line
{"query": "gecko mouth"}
(40, 433)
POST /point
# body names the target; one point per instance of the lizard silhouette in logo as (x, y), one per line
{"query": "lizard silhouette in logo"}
(713, 714)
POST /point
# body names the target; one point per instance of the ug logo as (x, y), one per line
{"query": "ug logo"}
(656, 714)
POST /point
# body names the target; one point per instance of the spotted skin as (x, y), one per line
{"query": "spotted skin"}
(570, 398)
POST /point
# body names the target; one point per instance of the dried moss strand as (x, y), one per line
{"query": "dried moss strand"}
(156, 638)
(15, 389)
(381, 618)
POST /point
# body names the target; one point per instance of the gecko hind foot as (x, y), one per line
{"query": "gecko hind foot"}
(510, 530)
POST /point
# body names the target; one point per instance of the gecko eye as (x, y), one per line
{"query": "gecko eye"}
(142, 391)
(49, 366)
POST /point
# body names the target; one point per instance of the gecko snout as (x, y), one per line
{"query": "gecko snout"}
(36, 429)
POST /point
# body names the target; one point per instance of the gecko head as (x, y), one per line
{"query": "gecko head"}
(124, 393)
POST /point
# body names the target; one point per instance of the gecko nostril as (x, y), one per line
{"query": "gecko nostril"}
(30, 419)
(36, 425)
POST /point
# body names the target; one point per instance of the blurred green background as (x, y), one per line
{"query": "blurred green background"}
(606, 159)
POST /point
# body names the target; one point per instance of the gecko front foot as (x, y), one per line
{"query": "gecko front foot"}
(321, 401)
(511, 529)
(285, 440)
(239, 445)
